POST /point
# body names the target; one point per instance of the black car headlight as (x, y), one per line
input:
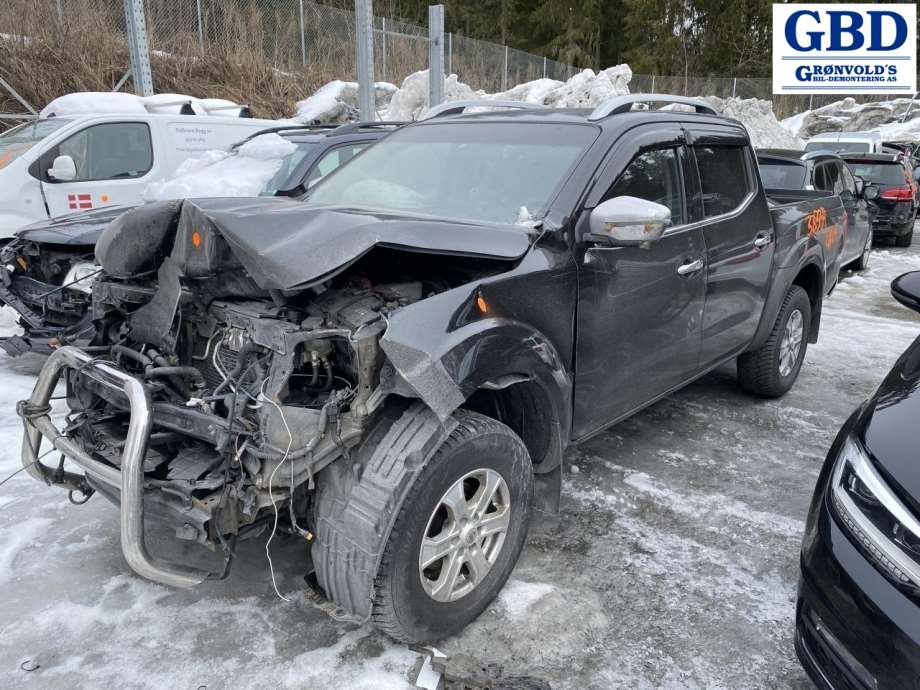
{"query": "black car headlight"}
(885, 529)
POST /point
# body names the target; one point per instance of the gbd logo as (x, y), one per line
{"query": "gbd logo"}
(844, 48)
(844, 30)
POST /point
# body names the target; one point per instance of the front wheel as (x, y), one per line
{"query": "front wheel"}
(906, 239)
(862, 263)
(458, 533)
(770, 370)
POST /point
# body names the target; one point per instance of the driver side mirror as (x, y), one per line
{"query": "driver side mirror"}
(870, 192)
(906, 289)
(628, 220)
(63, 169)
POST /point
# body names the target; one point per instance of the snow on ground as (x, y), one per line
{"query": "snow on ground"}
(673, 562)
(243, 172)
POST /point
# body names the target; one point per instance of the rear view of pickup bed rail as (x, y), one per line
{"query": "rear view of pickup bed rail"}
(394, 368)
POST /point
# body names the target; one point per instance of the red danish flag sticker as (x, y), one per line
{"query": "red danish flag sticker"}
(80, 201)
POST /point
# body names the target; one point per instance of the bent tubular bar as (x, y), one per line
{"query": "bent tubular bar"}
(36, 418)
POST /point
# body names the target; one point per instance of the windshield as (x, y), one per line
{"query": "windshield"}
(283, 179)
(15, 142)
(838, 146)
(777, 175)
(881, 173)
(498, 172)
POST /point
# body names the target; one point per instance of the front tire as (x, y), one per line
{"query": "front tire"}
(771, 370)
(862, 263)
(906, 239)
(458, 533)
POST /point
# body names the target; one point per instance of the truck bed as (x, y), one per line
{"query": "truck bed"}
(804, 218)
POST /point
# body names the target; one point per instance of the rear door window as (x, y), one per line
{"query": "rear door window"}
(725, 177)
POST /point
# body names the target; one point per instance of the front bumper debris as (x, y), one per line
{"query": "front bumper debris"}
(128, 480)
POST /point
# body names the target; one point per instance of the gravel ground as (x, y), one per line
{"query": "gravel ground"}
(673, 562)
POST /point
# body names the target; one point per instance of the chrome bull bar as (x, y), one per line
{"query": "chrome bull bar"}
(36, 418)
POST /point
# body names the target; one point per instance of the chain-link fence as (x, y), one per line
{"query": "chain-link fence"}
(317, 43)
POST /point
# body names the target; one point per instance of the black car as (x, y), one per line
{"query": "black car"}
(898, 200)
(394, 368)
(787, 170)
(47, 270)
(858, 612)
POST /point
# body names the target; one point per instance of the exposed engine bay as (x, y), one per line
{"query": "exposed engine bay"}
(253, 390)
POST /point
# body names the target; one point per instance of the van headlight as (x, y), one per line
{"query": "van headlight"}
(878, 520)
(81, 277)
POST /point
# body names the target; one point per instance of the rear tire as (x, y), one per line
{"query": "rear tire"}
(771, 370)
(415, 604)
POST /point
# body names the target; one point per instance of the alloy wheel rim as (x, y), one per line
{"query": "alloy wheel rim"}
(791, 343)
(464, 535)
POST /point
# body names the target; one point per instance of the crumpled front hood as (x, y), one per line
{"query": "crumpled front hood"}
(285, 244)
(76, 229)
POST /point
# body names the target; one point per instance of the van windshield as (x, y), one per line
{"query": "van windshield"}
(494, 172)
(15, 142)
(838, 146)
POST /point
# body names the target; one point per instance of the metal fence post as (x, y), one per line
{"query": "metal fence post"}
(136, 25)
(544, 67)
(653, 84)
(734, 85)
(811, 97)
(200, 24)
(60, 10)
(505, 72)
(303, 35)
(450, 53)
(383, 47)
(364, 40)
(435, 54)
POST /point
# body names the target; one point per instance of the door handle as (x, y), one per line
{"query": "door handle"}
(762, 241)
(690, 267)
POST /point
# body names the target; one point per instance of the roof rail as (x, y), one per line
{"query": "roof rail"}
(350, 127)
(456, 107)
(623, 104)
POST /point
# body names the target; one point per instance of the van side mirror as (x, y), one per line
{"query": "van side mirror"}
(906, 289)
(63, 169)
(870, 192)
(628, 220)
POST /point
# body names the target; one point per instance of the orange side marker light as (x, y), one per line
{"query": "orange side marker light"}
(482, 304)
(196, 239)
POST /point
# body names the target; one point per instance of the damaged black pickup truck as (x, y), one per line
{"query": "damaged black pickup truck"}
(393, 369)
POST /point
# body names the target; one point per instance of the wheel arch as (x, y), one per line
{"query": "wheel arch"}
(807, 275)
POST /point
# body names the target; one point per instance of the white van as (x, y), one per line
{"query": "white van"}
(846, 142)
(68, 163)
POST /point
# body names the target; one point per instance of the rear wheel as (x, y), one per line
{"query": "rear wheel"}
(771, 369)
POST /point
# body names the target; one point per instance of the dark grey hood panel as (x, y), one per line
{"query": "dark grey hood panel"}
(285, 244)
(76, 229)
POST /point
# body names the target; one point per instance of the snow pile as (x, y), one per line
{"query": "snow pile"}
(758, 118)
(847, 115)
(411, 99)
(105, 102)
(337, 101)
(243, 172)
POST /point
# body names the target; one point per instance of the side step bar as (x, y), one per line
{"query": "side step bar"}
(36, 419)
